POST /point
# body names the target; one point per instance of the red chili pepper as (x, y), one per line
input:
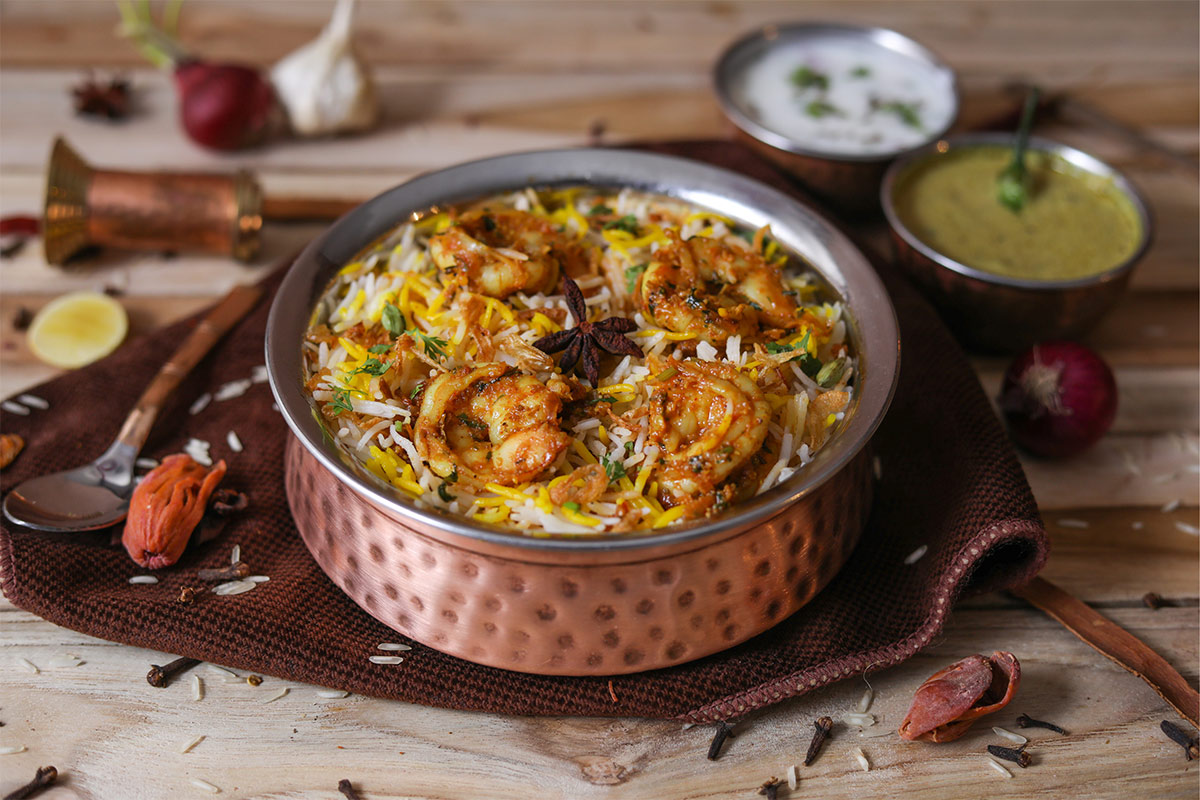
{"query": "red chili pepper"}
(28, 226)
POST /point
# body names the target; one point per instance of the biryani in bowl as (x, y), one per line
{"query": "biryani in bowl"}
(579, 360)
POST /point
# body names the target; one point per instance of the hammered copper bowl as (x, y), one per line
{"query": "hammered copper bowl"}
(598, 605)
(993, 313)
(851, 182)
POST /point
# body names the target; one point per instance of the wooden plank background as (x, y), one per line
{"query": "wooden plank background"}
(463, 80)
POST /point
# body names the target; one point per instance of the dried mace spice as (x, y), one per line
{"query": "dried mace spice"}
(10, 447)
(581, 345)
(166, 507)
(950, 701)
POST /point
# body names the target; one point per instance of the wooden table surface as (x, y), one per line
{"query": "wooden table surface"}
(464, 80)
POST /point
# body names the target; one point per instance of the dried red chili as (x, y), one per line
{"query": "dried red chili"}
(166, 507)
(950, 700)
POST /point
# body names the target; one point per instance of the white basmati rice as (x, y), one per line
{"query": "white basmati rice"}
(1073, 523)
(188, 745)
(281, 693)
(146, 463)
(793, 780)
(1015, 738)
(392, 646)
(233, 587)
(143, 579)
(916, 555)
(28, 666)
(864, 703)
(211, 788)
(861, 758)
(232, 389)
(259, 374)
(235, 444)
(198, 449)
(332, 694)
(200, 403)
(386, 659)
(996, 765)
(197, 688)
(14, 408)
(12, 750)
(33, 401)
(1171, 506)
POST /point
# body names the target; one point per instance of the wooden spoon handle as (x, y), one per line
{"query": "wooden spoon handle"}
(223, 316)
(1116, 643)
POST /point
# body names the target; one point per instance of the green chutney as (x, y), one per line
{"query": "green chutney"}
(1074, 224)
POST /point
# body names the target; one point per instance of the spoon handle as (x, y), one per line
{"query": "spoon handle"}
(223, 316)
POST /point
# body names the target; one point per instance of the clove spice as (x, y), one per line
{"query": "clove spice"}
(1016, 755)
(45, 777)
(1191, 748)
(771, 788)
(160, 677)
(347, 790)
(823, 726)
(1026, 721)
(233, 572)
(723, 732)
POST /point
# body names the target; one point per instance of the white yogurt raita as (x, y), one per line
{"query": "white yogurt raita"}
(844, 95)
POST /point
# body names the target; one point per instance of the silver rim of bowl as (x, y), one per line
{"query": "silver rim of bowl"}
(751, 203)
(753, 44)
(1071, 155)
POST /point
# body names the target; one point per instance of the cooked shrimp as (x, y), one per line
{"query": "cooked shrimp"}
(709, 288)
(490, 424)
(709, 419)
(498, 252)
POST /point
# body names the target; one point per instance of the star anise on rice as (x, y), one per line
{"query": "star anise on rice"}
(582, 344)
(95, 99)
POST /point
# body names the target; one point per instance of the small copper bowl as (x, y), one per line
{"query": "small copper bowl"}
(998, 314)
(851, 182)
(598, 605)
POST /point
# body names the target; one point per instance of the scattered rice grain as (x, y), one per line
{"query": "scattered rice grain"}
(385, 659)
(877, 468)
(1183, 527)
(206, 786)
(257, 578)
(235, 444)
(1171, 506)
(146, 579)
(1015, 738)
(393, 646)
(1166, 477)
(996, 765)
(233, 587)
(197, 689)
(198, 449)
(232, 389)
(235, 555)
(861, 720)
(864, 703)
(792, 779)
(200, 403)
(877, 733)
(1137, 525)
(916, 555)
(1073, 523)
(33, 401)
(12, 750)
(14, 408)
(65, 661)
(224, 673)
(28, 666)
(687, 725)
(146, 463)
(332, 694)
(277, 695)
(189, 745)
(861, 758)
(259, 374)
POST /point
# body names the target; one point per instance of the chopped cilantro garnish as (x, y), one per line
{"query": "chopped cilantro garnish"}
(393, 320)
(809, 365)
(615, 469)
(445, 495)
(907, 112)
(571, 506)
(600, 209)
(627, 223)
(416, 390)
(805, 77)
(471, 423)
(379, 349)
(820, 108)
(341, 401)
(434, 346)
(372, 366)
(453, 476)
(631, 276)
(629, 448)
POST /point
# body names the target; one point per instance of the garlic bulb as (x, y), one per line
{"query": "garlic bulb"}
(323, 85)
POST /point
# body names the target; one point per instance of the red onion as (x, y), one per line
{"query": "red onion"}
(224, 106)
(1059, 398)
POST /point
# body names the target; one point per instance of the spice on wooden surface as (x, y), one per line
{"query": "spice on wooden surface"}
(951, 699)
(821, 732)
(1155, 601)
(233, 572)
(254, 680)
(42, 779)
(1017, 755)
(96, 99)
(22, 319)
(1026, 721)
(347, 790)
(1191, 748)
(724, 731)
(160, 677)
(770, 789)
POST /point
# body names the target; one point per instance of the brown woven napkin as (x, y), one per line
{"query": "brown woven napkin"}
(950, 482)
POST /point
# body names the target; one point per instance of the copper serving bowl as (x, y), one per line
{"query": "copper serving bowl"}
(1000, 314)
(849, 181)
(598, 605)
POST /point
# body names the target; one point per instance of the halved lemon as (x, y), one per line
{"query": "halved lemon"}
(76, 329)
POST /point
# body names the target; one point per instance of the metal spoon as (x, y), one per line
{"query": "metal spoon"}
(96, 495)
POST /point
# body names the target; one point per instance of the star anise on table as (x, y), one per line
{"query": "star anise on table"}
(93, 98)
(582, 344)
